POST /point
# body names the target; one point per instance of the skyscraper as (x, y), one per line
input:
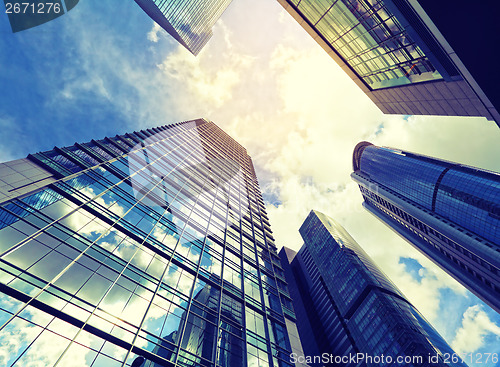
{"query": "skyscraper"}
(357, 315)
(395, 51)
(190, 22)
(151, 248)
(448, 211)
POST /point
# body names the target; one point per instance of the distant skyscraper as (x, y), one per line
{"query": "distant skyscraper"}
(190, 22)
(397, 53)
(147, 249)
(346, 307)
(448, 211)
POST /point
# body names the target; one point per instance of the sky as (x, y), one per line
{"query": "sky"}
(105, 68)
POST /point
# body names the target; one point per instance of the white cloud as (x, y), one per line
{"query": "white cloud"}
(153, 33)
(207, 80)
(178, 87)
(476, 325)
(47, 345)
(85, 223)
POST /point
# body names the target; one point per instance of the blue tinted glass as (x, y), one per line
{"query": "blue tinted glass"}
(472, 202)
(408, 176)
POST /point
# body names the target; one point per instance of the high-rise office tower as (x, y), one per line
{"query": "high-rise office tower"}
(190, 22)
(146, 249)
(411, 57)
(448, 211)
(347, 308)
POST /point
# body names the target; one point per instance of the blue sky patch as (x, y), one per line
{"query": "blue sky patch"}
(413, 267)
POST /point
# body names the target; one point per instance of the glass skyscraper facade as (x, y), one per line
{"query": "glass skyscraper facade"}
(371, 40)
(151, 248)
(190, 22)
(352, 308)
(448, 211)
(396, 54)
